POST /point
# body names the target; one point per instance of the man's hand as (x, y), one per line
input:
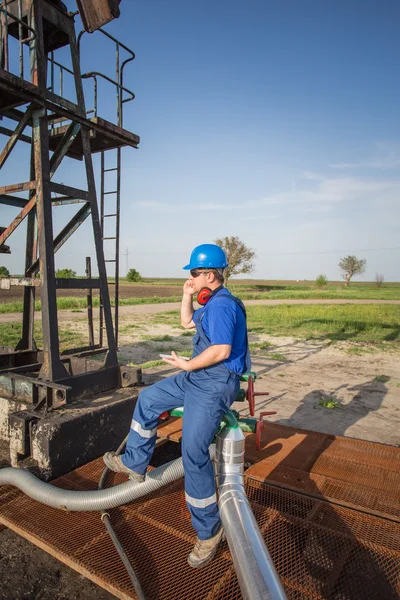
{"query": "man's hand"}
(188, 288)
(179, 363)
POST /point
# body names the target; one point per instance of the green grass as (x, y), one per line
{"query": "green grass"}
(157, 338)
(260, 346)
(152, 363)
(246, 290)
(372, 323)
(10, 334)
(382, 378)
(332, 293)
(187, 353)
(81, 303)
(329, 403)
(277, 356)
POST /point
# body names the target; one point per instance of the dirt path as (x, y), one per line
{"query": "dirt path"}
(153, 309)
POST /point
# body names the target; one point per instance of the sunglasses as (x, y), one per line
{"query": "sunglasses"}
(195, 273)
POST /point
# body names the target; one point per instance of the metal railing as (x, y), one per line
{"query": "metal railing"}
(119, 75)
(23, 28)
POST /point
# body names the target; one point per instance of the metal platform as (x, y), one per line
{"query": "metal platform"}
(322, 547)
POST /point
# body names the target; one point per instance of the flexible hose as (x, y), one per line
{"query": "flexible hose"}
(91, 500)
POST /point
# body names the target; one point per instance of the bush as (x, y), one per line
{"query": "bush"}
(379, 279)
(321, 281)
(4, 272)
(133, 275)
(65, 274)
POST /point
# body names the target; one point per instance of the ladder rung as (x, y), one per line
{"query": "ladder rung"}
(113, 169)
(107, 193)
(109, 238)
(110, 260)
(110, 215)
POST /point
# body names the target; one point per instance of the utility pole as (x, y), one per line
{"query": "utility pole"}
(127, 253)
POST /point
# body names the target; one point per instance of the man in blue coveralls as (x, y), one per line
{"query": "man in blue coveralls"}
(206, 387)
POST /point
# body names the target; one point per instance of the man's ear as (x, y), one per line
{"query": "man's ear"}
(210, 277)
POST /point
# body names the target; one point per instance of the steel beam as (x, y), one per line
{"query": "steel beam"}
(65, 234)
(66, 190)
(15, 136)
(10, 132)
(105, 296)
(18, 219)
(52, 368)
(62, 148)
(13, 201)
(28, 317)
(7, 282)
(77, 284)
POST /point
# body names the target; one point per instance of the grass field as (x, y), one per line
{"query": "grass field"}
(373, 327)
(10, 334)
(370, 323)
(154, 292)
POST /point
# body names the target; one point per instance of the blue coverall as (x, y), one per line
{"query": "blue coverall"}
(206, 395)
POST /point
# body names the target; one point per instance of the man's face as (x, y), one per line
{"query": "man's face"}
(199, 278)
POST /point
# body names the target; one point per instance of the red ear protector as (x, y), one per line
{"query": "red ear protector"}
(205, 294)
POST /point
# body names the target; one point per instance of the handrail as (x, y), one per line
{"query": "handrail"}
(21, 25)
(94, 75)
(119, 74)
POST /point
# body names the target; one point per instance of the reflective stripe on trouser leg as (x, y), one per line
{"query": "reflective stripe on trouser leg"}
(201, 502)
(206, 401)
(146, 433)
(153, 400)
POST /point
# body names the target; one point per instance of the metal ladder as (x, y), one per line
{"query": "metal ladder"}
(110, 209)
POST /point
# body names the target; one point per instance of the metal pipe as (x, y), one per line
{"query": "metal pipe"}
(255, 570)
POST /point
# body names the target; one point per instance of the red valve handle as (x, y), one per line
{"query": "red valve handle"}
(251, 395)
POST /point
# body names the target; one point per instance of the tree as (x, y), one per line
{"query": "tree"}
(350, 266)
(65, 274)
(239, 256)
(4, 272)
(321, 281)
(379, 279)
(133, 275)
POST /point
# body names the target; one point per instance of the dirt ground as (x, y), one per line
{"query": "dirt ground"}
(364, 386)
(126, 290)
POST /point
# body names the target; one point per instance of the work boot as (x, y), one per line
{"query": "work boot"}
(204, 550)
(114, 463)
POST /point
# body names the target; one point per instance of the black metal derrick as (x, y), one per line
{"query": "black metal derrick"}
(58, 128)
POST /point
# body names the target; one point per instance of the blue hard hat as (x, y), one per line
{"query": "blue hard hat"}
(207, 256)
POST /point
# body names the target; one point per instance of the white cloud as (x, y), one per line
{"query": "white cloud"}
(387, 156)
(315, 194)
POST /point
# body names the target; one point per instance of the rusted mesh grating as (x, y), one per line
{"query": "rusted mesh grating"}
(326, 551)
(320, 549)
(362, 474)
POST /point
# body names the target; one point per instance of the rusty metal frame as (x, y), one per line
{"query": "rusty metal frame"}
(27, 372)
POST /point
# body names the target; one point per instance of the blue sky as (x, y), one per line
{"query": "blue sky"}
(278, 122)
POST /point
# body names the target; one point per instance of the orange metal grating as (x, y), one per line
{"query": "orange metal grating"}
(321, 550)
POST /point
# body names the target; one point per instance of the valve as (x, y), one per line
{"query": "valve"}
(260, 425)
(251, 394)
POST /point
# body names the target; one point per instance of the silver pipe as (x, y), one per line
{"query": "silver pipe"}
(255, 570)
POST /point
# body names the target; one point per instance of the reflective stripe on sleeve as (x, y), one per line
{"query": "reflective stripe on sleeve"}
(146, 433)
(201, 502)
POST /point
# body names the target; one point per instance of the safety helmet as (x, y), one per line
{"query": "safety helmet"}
(207, 256)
